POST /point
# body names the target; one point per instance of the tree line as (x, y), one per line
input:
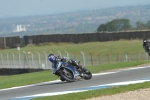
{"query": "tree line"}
(122, 25)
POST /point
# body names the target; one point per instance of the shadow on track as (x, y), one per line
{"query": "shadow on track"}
(56, 83)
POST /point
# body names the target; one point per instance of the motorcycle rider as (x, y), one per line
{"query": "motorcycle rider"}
(146, 45)
(54, 60)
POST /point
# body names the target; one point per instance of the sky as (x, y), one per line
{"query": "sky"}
(19, 8)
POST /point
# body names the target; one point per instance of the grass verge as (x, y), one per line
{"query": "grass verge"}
(121, 65)
(112, 47)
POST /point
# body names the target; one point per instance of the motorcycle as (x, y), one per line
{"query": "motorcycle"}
(70, 73)
(147, 49)
(146, 46)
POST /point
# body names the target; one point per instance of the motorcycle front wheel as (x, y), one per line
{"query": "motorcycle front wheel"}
(87, 74)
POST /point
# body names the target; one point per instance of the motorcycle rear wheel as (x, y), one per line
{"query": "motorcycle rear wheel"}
(62, 79)
(67, 75)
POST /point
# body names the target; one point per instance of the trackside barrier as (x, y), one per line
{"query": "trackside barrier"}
(39, 60)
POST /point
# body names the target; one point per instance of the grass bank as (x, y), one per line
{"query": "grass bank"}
(122, 46)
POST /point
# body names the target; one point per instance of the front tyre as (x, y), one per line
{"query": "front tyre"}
(87, 74)
(67, 75)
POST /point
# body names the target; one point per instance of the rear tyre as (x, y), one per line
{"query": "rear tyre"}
(62, 79)
(67, 75)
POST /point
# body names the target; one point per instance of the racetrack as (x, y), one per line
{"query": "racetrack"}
(125, 75)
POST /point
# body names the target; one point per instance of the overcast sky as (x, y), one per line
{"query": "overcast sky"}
(17, 8)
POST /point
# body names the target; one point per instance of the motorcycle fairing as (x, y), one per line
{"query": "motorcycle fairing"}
(71, 68)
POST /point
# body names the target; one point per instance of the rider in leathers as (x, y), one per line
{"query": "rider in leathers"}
(54, 60)
(146, 45)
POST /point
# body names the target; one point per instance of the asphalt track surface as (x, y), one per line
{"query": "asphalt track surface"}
(58, 86)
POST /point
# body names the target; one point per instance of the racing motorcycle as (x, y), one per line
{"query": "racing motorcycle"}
(147, 50)
(146, 46)
(69, 72)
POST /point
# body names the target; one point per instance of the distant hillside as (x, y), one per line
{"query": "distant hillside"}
(75, 22)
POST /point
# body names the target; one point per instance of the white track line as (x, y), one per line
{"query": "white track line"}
(30, 85)
(79, 90)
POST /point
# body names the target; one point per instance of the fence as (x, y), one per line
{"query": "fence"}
(36, 60)
(13, 42)
(86, 37)
(10, 42)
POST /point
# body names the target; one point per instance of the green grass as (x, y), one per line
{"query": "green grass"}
(105, 67)
(122, 46)
(96, 93)
(25, 79)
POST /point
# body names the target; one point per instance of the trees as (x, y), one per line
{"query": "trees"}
(115, 25)
(148, 24)
(102, 27)
(140, 25)
(122, 24)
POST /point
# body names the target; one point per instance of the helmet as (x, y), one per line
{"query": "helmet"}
(51, 57)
